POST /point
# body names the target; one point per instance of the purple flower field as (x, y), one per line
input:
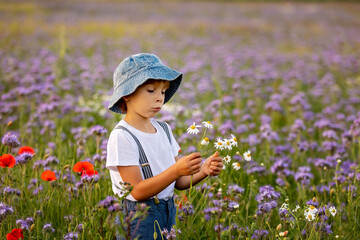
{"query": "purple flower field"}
(279, 82)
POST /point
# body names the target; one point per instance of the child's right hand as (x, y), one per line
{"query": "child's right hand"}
(189, 164)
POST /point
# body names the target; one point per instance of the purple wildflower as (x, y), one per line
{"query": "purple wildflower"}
(98, 130)
(266, 198)
(71, 236)
(298, 126)
(4, 211)
(80, 227)
(330, 134)
(235, 189)
(256, 169)
(90, 179)
(8, 191)
(172, 234)
(10, 140)
(47, 228)
(23, 224)
(23, 158)
(107, 202)
(313, 202)
(260, 234)
(37, 190)
(303, 175)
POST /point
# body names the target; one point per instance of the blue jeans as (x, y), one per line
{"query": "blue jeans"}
(164, 213)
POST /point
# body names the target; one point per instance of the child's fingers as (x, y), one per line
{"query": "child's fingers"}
(196, 161)
(196, 170)
(217, 162)
(216, 159)
(194, 155)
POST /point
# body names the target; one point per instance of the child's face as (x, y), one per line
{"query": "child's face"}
(147, 100)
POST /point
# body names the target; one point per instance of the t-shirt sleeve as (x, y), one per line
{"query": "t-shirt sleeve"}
(174, 145)
(121, 150)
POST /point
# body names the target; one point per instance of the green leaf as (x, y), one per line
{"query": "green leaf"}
(327, 212)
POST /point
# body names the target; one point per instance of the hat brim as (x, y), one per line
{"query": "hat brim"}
(131, 84)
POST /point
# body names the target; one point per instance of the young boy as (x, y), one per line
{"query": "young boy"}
(142, 151)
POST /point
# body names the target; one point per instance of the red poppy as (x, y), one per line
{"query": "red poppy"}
(185, 200)
(15, 234)
(26, 149)
(48, 176)
(82, 167)
(90, 172)
(7, 160)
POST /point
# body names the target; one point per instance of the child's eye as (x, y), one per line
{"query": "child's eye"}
(150, 91)
(162, 93)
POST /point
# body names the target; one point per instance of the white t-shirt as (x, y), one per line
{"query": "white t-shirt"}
(122, 150)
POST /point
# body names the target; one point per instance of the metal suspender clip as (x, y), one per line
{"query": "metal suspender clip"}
(144, 164)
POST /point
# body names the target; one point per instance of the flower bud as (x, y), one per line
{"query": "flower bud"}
(278, 227)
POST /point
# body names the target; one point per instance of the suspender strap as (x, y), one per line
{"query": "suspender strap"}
(163, 125)
(145, 167)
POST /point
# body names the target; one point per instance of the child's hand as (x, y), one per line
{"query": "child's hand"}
(189, 164)
(213, 165)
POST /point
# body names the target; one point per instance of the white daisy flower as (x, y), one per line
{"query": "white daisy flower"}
(233, 141)
(223, 168)
(296, 208)
(207, 124)
(247, 155)
(227, 144)
(284, 206)
(193, 129)
(332, 211)
(227, 159)
(311, 210)
(236, 166)
(219, 144)
(205, 141)
(310, 216)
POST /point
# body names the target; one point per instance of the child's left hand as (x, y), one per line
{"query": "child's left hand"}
(212, 165)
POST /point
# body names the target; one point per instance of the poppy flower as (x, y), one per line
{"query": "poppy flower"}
(82, 167)
(48, 176)
(7, 160)
(180, 203)
(26, 149)
(90, 172)
(15, 234)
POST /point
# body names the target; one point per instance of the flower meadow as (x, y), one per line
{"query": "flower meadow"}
(273, 87)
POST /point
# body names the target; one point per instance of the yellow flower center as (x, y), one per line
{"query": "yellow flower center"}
(192, 127)
(208, 122)
(235, 139)
(312, 207)
(206, 139)
(227, 143)
(249, 155)
(220, 143)
(310, 216)
(238, 164)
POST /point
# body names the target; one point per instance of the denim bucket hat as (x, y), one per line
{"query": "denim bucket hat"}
(135, 70)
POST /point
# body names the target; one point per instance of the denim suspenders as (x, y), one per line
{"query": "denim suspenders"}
(145, 167)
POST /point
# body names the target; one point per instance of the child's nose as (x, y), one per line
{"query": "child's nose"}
(160, 97)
